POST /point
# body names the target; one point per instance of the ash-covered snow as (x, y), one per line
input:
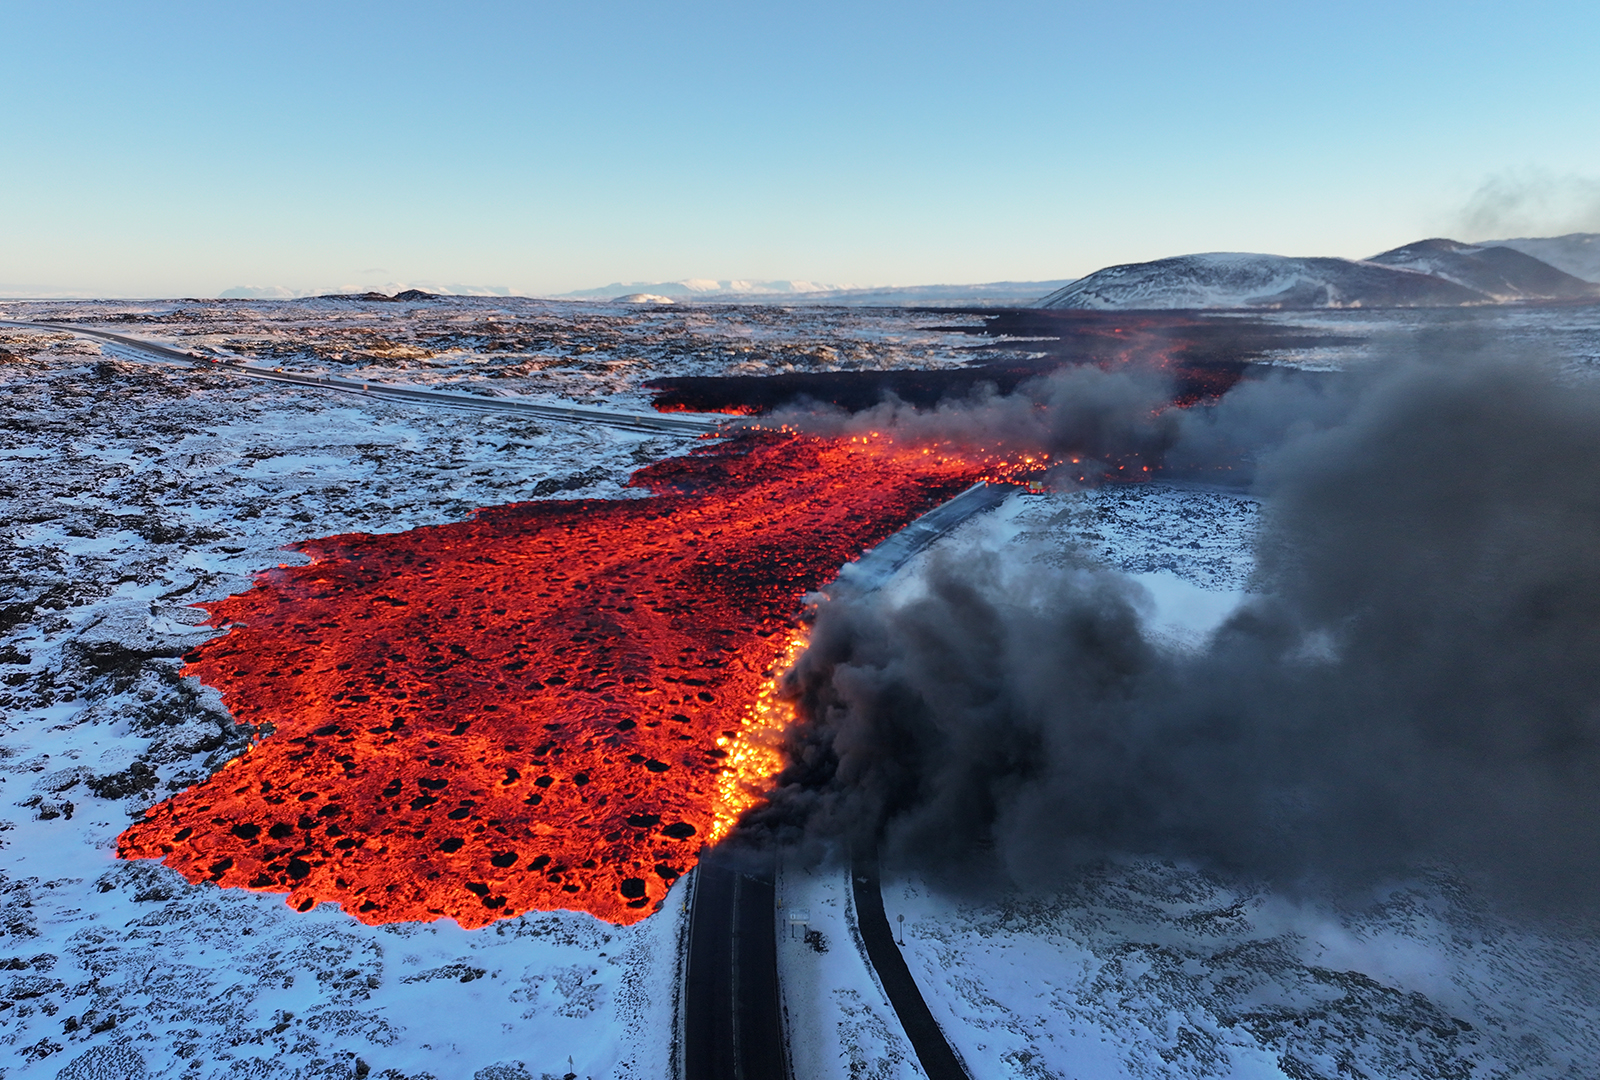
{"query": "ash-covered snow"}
(1564, 335)
(1155, 969)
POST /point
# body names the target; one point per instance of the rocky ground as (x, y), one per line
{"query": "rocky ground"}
(580, 352)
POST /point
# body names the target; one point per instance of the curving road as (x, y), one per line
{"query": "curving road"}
(938, 1060)
(562, 414)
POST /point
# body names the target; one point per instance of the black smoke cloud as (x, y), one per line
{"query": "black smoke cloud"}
(1107, 417)
(1096, 423)
(1417, 680)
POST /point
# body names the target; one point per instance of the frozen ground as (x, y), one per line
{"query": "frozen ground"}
(585, 352)
(839, 1021)
(129, 491)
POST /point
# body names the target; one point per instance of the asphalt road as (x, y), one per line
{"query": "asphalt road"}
(562, 414)
(733, 1024)
(938, 1061)
(875, 568)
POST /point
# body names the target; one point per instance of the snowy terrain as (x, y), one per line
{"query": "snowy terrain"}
(696, 291)
(132, 490)
(838, 1019)
(1244, 280)
(1500, 273)
(1160, 970)
(1576, 253)
(1430, 273)
(989, 294)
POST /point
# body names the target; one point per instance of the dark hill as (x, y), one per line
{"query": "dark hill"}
(1501, 273)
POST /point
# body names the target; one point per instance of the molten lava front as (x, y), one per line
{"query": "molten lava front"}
(553, 705)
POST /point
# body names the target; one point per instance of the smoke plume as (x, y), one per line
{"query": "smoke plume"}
(1416, 679)
(1532, 204)
(1079, 410)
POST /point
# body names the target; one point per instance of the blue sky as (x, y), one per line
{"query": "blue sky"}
(182, 149)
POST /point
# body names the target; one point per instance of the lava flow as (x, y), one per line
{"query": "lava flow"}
(552, 705)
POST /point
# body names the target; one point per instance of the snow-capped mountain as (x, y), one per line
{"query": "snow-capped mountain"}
(1429, 273)
(988, 294)
(1499, 272)
(1576, 253)
(1243, 280)
(704, 289)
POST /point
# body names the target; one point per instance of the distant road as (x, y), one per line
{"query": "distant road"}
(560, 414)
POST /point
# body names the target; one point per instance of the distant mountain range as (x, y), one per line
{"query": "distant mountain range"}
(1428, 273)
(432, 288)
(707, 291)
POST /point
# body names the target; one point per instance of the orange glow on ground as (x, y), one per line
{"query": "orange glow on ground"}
(553, 705)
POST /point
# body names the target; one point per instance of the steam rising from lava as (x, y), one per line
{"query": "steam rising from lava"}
(1085, 424)
(1417, 679)
(1121, 419)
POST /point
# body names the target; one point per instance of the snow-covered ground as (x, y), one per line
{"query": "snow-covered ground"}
(1159, 970)
(838, 1019)
(587, 352)
(129, 491)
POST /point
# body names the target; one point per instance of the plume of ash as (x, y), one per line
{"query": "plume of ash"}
(1102, 419)
(1080, 411)
(1532, 203)
(1416, 679)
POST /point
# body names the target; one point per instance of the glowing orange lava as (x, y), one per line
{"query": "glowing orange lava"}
(552, 705)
